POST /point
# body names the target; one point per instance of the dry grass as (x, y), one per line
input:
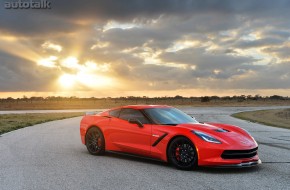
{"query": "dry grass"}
(106, 103)
(10, 122)
(275, 117)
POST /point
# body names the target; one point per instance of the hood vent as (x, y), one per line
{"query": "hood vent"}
(221, 130)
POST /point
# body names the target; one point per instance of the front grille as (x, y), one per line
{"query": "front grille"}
(238, 154)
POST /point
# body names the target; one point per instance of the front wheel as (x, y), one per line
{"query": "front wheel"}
(182, 153)
(95, 141)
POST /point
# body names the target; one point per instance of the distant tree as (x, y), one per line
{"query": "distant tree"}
(205, 99)
(276, 97)
(9, 99)
(36, 98)
(239, 98)
(257, 97)
(249, 97)
(226, 98)
(73, 98)
(214, 98)
(243, 97)
(25, 98)
(177, 97)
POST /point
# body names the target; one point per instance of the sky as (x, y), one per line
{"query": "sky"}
(112, 48)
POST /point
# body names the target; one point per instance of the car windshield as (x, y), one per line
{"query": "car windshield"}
(168, 116)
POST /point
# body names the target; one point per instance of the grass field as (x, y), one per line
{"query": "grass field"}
(275, 117)
(10, 122)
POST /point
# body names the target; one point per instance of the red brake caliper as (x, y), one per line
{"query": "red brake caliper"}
(99, 142)
(177, 155)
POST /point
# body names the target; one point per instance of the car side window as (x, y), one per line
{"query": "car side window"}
(115, 113)
(128, 113)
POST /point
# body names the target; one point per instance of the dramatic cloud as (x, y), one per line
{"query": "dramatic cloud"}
(21, 75)
(142, 45)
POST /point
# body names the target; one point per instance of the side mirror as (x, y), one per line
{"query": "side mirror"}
(136, 121)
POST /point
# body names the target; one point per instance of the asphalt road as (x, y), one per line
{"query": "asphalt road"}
(51, 156)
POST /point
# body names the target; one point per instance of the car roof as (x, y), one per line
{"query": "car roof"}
(144, 106)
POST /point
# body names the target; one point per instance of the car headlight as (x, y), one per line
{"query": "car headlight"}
(206, 137)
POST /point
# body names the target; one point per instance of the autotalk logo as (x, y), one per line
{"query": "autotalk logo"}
(20, 4)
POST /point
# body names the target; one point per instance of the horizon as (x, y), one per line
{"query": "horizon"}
(108, 48)
(248, 96)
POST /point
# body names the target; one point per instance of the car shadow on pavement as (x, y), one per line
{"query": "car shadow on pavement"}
(134, 158)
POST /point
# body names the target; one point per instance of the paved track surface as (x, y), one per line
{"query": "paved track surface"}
(51, 156)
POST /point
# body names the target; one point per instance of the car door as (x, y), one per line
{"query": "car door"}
(128, 137)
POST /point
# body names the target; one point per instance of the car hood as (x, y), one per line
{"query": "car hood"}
(227, 134)
(203, 127)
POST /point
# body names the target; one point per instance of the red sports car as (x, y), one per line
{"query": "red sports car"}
(170, 135)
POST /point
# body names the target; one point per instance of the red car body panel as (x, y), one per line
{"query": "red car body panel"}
(122, 136)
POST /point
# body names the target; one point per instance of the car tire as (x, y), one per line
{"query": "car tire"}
(182, 153)
(95, 141)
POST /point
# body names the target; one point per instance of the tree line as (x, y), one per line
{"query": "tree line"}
(134, 98)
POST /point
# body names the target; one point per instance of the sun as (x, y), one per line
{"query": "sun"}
(89, 74)
(67, 80)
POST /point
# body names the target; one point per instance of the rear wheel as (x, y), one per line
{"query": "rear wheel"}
(182, 153)
(95, 141)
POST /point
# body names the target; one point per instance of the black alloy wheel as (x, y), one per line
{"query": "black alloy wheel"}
(95, 141)
(182, 153)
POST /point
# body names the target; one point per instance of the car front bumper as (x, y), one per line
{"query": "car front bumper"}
(240, 165)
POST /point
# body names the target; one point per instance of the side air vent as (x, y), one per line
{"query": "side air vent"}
(159, 139)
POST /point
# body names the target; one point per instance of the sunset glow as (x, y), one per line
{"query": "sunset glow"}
(71, 62)
(48, 62)
(67, 80)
